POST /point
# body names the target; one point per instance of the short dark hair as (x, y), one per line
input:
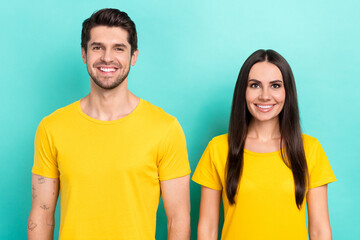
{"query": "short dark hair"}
(109, 17)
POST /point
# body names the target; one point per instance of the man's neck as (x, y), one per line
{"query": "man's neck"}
(109, 105)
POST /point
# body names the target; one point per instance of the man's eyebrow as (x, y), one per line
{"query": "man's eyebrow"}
(116, 45)
(95, 43)
(120, 45)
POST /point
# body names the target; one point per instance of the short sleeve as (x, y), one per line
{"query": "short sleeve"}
(206, 173)
(173, 157)
(320, 172)
(45, 163)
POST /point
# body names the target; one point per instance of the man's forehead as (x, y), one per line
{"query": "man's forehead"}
(105, 34)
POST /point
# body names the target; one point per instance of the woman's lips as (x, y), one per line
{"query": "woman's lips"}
(265, 107)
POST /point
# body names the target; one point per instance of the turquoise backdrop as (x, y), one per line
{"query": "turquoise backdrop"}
(190, 56)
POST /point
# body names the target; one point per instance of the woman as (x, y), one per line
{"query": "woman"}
(265, 169)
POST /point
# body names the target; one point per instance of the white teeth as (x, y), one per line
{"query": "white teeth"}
(264, 106)
(107, 69)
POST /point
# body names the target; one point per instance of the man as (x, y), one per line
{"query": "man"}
(111, 154)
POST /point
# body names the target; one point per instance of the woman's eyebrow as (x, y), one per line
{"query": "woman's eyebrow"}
(276, 81)
(254, 80)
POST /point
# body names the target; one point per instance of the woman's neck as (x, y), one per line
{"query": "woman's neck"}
(264, 130)
(263, 136)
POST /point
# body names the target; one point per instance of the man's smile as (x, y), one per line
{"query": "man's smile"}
(107, 69)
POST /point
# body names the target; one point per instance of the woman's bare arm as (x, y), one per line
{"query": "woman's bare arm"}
(209, 214)
(318, 214)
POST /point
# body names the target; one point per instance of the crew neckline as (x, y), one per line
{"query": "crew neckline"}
(268, 154)
(130, 115)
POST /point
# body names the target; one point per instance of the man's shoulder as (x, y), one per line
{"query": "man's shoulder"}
(60, 115)
(156, 114)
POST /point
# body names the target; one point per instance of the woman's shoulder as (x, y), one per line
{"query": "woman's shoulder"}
(312, 147)
(309, 141)
(218, 146)
(319, 168)
(219, 141)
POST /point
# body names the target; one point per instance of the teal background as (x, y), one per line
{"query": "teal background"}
(190, 56)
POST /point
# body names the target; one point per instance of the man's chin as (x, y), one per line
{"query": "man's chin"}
(107, 85)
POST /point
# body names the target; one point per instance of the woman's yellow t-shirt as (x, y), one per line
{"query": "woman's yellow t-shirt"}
(265, 202)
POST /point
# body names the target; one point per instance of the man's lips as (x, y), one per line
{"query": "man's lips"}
(107, 69)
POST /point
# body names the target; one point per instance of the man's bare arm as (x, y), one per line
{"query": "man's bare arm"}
(41, 221)
(176, 198)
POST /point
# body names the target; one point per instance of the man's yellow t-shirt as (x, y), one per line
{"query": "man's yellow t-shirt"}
(265, 205)
(110, 171)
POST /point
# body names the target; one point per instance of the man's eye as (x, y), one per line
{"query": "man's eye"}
(119, 49)
(96, 48)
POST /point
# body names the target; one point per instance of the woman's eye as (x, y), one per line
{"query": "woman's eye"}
(254, 85)
(276, 86)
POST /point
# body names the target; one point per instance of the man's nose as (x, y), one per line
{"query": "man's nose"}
(107, 56)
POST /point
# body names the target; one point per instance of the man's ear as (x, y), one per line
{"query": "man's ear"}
(134, 57)
(83, 55)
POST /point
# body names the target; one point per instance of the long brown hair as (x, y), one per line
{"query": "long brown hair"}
(289, 121)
